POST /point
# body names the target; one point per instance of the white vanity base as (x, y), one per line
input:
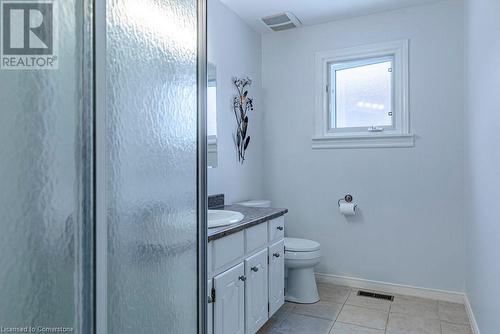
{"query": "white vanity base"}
(246, 278)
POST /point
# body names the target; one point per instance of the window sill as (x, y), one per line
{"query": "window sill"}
(363, 141)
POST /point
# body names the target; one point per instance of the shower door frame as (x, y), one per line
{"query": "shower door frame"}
(101, 235)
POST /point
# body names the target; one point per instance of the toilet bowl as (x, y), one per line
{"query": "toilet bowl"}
(301, 255)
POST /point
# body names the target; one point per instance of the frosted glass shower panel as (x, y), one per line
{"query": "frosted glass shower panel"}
(151, 167)
(45, 137)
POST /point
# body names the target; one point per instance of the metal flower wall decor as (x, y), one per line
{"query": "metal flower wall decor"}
(242, 104)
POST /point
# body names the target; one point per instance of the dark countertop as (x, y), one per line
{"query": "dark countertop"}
(253, 216)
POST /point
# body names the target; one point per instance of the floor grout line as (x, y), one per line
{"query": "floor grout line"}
(388, 316)
(338, 315)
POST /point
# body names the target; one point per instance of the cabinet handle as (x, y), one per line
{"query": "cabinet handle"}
(276, 254)
(242, 278)
(256, 269)
(280, 228)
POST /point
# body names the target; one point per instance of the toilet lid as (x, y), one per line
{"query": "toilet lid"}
(301, 245)
(260, 203)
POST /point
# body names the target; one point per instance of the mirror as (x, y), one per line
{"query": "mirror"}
(212, 115)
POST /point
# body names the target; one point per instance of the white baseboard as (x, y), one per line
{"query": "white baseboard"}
(391, 288)
(472, 318)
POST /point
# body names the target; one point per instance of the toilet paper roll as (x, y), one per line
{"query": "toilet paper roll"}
(347, 209)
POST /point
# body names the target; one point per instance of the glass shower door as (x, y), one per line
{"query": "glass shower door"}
(151, 166)
(45, 167)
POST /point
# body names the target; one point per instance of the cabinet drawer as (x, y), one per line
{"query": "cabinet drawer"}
(277, 228)
(256, 237)
(228, 249)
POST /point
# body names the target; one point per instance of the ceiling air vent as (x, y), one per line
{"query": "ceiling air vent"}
(282, 21)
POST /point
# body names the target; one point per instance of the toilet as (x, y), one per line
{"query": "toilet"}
(301, 255)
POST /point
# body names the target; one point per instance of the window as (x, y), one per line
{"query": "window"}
(361, 97)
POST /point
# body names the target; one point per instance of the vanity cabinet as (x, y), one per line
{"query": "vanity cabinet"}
(246, 271)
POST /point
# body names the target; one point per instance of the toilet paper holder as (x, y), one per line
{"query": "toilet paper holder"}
(347, 198)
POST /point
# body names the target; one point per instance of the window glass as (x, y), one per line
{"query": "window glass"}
(361, 94)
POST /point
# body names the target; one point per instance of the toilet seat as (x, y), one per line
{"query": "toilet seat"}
(301, 245)
(290, 255)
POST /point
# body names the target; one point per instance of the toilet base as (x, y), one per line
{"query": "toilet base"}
(301, 286)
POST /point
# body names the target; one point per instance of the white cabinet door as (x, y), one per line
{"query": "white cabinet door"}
(256, 292)
(276, 276)
(210, 309)
(229, 306)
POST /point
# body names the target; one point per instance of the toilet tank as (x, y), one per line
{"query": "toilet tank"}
(256, 203)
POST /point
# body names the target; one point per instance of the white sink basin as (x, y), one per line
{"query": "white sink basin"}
(217, 218)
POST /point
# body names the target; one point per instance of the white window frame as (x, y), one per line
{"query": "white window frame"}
(397, 135)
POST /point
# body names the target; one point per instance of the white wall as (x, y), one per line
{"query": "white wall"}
(482, 191)
(236, 50)
(410, 226)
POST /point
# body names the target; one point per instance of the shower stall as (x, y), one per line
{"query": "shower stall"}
(103, 169)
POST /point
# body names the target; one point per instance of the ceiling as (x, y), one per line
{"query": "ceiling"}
(313, 11)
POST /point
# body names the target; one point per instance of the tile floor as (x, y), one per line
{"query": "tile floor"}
(341, 311)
